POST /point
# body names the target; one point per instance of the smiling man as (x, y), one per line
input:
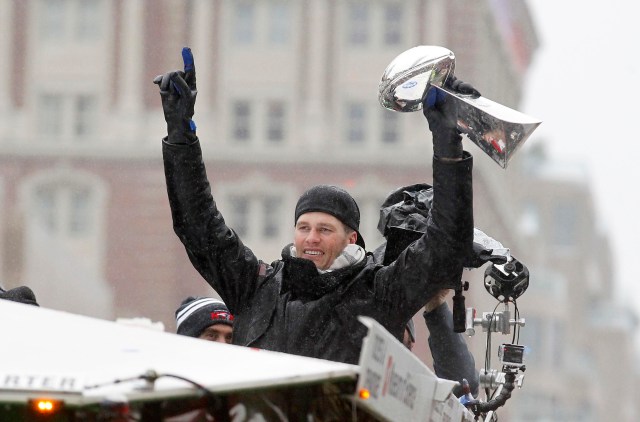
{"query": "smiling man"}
(326, 222)
(308, 302)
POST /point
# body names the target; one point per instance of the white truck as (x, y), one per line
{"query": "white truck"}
(60, 366)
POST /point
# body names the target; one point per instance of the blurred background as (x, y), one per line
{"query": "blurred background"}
(288, 99)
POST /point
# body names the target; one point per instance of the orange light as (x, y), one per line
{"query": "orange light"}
(45, 406)
(364, 394)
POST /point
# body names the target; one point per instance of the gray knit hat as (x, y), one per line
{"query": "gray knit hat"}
(195, 314)
(334, 201)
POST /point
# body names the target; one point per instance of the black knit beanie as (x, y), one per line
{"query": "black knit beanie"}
(334, 201)
(195, 314)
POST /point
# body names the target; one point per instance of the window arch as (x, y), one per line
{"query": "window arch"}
(64, 237)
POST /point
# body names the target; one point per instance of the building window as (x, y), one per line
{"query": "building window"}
(390, 127)
(356, 122)
(64, 209)
(85, 116)
(52, 19)
(244, 22)
(260, 122)
(89, 18)
(78, 20)
(79, 211)
(533, 340)
(557, 337)
(50, 116)
(565, 220)
(358, 14)
(241, 121)
(271, 213)
(63, 241)
(266, 23)
(45, 207)
(530, 219)
(279, 22)
(392, 24)
(69, 117)
(275, 121)
(255, 216)
(240, 214)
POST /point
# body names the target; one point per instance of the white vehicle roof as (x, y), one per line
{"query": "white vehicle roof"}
(83, 359)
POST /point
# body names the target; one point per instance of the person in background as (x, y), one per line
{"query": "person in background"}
(452, 359)
(20, 294)
(205, 318)
(409, 339)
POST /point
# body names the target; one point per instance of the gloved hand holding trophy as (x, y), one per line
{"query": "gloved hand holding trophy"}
(498, 130)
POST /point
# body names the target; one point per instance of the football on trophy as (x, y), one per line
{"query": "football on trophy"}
(406, 79)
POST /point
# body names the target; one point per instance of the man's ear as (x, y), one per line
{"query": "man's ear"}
(353, 237)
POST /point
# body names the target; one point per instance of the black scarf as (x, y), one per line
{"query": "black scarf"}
(302, 279)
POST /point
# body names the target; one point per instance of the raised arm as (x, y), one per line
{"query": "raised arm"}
(213, 248)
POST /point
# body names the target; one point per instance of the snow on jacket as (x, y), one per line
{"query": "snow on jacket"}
(287, 305)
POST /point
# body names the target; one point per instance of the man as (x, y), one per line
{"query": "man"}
(307, 302)
(451, 357)
(205, 318)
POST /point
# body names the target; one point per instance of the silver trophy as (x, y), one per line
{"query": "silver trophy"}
(498, 130)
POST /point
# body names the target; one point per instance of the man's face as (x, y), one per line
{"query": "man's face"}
(321, 237)
(222, 333)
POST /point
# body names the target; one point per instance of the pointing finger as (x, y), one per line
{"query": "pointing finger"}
(189, 67)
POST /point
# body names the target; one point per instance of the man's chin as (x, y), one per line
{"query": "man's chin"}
(316, 262)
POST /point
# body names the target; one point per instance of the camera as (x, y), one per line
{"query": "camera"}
(506, 281)
(511, 355)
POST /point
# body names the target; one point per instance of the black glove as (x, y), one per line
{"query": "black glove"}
(178, 92)
(463, 88)
(442, 114)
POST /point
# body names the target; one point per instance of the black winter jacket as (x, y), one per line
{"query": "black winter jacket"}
(287, 305)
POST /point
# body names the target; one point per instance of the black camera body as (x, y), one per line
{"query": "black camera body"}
(506, 281)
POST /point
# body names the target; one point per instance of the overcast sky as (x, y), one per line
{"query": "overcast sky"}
(584, 84)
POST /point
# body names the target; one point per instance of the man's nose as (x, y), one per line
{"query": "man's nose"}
(313, 236)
